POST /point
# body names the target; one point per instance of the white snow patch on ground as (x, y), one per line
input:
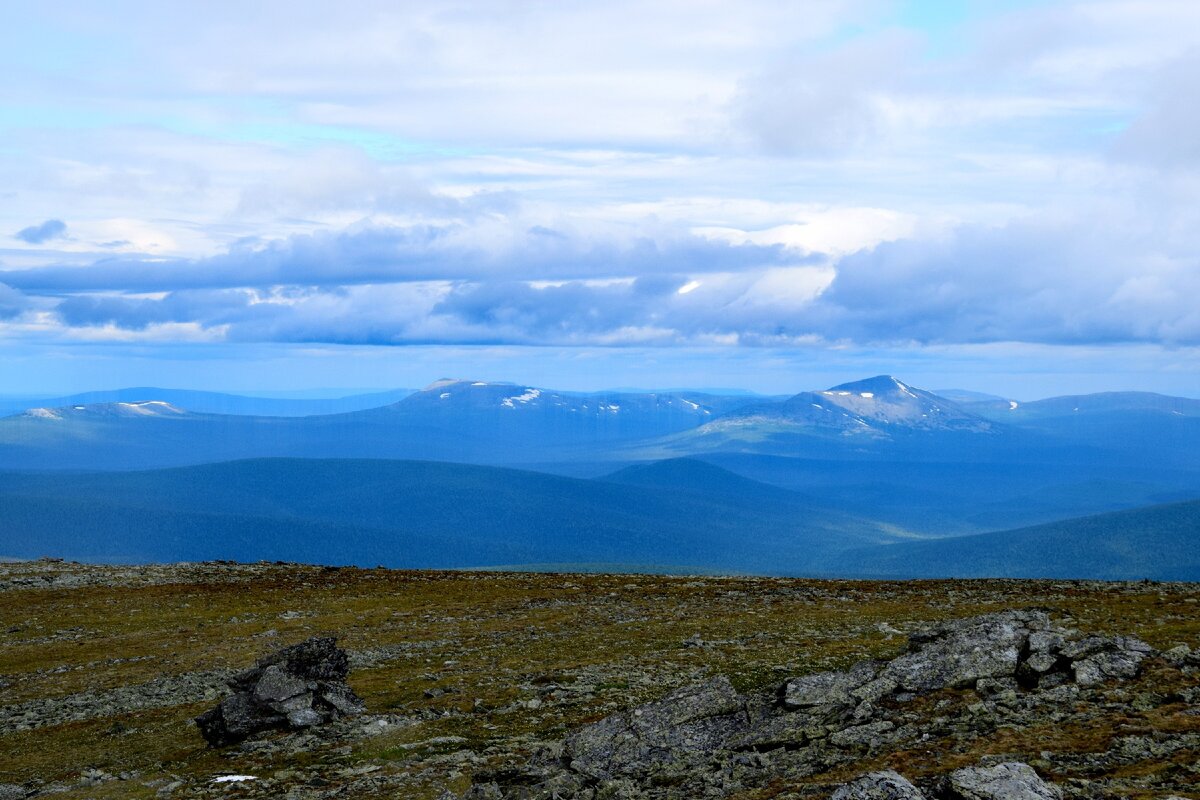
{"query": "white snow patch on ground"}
(867, 394)
(444, 395)
(42, 413)
(1012, 405)
(479, 383)
(234, 778)
(529, 394)
(147, 406)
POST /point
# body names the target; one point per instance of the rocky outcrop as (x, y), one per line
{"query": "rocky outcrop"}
(1009, 781)
(989, 652)
(706, 739)
(296, 687)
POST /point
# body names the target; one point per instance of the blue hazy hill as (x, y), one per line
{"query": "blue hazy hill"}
(1160, 542)
(410, 514)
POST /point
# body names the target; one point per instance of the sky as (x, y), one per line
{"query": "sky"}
(998, 195)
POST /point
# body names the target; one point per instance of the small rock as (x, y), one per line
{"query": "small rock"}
(996, 687)
(868, 736)
(885, 785)
(1178, 656)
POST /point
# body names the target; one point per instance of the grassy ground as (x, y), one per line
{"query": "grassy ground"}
(489, 663)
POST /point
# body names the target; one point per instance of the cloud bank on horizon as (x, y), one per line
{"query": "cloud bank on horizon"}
(827, 175)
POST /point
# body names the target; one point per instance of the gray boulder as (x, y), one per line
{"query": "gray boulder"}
(691, 721)
(957, 654)
(1097, 659)
(1009, 781)
(296, 687)
(885, 785)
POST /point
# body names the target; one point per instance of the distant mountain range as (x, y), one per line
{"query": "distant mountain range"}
(454, 420)
(210, 402)
(496, 423)
(901, 462)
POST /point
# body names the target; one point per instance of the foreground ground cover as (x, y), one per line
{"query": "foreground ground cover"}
(103, 667)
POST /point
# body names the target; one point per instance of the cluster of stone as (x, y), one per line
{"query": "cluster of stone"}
(1008, 781)
(296, 687)
(992, 653)
(696, 727)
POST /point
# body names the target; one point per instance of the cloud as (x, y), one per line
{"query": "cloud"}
(12, 302)
(532, 174)
(207, 308)
(47, 231)
(1067, 281)
(1161, 134)
(1024, 282)
(825, 103)
(750, 307)
(383, 254)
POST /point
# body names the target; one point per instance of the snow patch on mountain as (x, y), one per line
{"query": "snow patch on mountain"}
(525, 397)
